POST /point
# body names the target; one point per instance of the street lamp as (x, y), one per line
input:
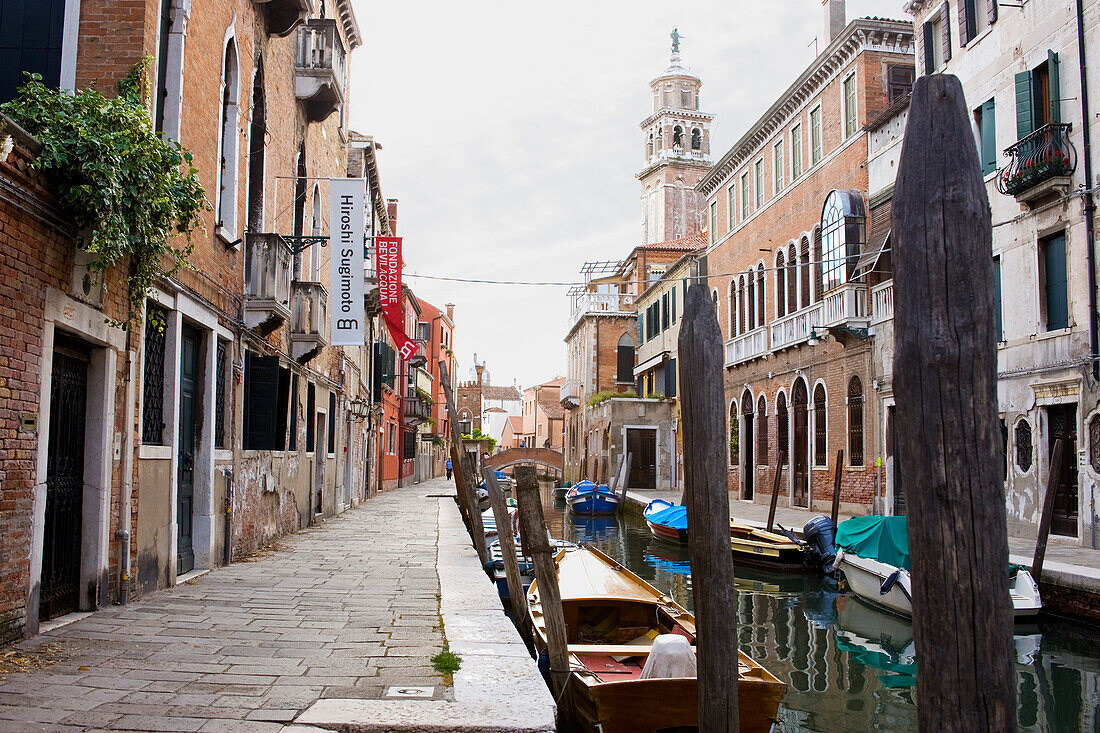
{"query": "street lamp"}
(859, 334)
(359, 408)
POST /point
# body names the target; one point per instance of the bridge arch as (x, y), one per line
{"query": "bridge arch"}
(551, 459)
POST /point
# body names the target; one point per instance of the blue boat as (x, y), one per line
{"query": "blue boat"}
(666, 520)
(587, 498)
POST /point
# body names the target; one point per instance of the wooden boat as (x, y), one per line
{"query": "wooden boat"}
(587, 498)
(666, 521)
(611, 617)
(495, 565)
(874, 556)
(756, 546)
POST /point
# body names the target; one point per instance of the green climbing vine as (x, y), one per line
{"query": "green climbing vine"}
(115, 176)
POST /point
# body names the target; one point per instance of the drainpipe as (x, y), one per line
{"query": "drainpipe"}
(127, 483)
(1090, 205)
(227, 471)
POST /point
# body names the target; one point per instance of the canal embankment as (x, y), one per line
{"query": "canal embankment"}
(1070, 583)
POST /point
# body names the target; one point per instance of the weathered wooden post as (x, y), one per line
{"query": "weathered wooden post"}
(704, 424)
(836, 485)
(462, 473)
(533, 531)
(625, 479)
(780, 461)
(945, 386)
(1054, 482)
(507, 546)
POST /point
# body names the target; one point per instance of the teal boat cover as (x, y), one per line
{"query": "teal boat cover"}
(885, 539)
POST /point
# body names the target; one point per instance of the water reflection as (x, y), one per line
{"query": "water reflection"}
(849, 667)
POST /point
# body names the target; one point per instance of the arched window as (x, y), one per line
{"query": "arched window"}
(741, 305)
(659, 141)
(781, 422)
(625, 359)
(714, 300)
(1094, 443)
(1024, 448)
(855, 422)
(804, 268)
(734, 436)
(752, 302)
(792, 279)
(649, 147)
(731, 299)
(762, 432)
(226, 226)
(820, 427)
(780, 284)
(818, 270)
(760, 292)
(843, 223)
(257, 145)
(315, 230)
(677, 137)
(696, 139)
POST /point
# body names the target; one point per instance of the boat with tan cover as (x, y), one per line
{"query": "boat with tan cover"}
(631, 652)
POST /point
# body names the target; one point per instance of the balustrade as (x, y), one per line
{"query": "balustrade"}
(267, 281)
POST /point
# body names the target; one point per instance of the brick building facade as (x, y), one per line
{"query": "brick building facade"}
(792, 304)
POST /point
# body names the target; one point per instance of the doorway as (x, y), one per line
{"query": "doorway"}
(60, 585)
(892, 461)
(747, 445)
(801, 465)
(185, 473)
(642, 445)
(1062, 423)
(320, 457)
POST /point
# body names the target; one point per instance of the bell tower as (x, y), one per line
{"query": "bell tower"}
(676, 145)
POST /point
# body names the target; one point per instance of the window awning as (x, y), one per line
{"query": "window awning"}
(869, 259)
(650, 363)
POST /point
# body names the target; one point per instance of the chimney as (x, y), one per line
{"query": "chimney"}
(451, 312)
(391, 211)
(834, 21)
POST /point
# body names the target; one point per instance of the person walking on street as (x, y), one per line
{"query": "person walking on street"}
(448, 468)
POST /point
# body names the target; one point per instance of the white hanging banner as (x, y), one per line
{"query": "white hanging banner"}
(346, 231)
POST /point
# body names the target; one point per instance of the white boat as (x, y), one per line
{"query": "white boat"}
(874, 556)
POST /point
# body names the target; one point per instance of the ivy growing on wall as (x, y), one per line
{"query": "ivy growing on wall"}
(125, 187)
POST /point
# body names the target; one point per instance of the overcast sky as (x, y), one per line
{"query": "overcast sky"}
(510, 136)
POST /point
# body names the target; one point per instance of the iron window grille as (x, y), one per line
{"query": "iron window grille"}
(1024, 447)
(152, 402)
(855, 422)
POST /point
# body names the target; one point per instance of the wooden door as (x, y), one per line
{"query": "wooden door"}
(748, 445)
(60, 585)
(801, 464)
(185, 473)
(892, 461)
(1062, 423)
(642, 445)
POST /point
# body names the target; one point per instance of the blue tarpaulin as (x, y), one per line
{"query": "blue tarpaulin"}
(674, 517)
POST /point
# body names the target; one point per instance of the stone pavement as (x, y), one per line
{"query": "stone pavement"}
(349, 609)
(1067, 565)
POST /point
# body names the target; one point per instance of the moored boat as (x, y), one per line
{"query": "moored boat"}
(666, 520)
(874, 556)
(620, 631)
(756, 546)
(526, 567)
(587, 498)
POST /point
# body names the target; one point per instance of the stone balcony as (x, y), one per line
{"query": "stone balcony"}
(847, 306)
(746, 346)
(600, 304)
(310, 318)
(283, 16)
(319, 69)
(795, 329)
(882, 302)
(570, 395)
(266, 281)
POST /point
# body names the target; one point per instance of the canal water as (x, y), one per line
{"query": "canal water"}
(847, 666)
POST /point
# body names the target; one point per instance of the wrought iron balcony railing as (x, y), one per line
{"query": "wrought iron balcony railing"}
(1044, 154)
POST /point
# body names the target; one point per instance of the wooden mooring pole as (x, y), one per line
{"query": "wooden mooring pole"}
(533, 531)
(462, 471)
(780, 461)
(837, 476)
(707, 500)
(507, 546)
(1054, 482)
(945, 386)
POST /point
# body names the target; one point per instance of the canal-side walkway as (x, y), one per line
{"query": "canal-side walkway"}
(333, 628)
(1074, 571)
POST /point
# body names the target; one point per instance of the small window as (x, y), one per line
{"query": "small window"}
(850, 112)
(1054, 297)
(779, 172)
(820, 427)
(331, 446)
(1024, 448)
(221, 364)
(744, 195)
(696, 139)
(664, 312)
(735, 436)
(409, 448)
(731, 202)
(815, 136)
(899, 81)
(758, 169)
(311, 417)
(673, 300)
(855, 422)
(677, 137)
(152, 391)
(625, 347)
(796, 152)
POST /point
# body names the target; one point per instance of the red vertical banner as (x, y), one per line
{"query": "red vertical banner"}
(387, 258)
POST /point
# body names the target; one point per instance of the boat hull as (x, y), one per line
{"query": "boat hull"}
(592, 502)
(758, 547)
(667, 533)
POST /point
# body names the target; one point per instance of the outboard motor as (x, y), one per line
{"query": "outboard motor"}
(819, 533)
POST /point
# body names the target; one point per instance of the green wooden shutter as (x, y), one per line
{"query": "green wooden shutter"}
(945, 13)
(641, 325)
(1056, 286)
(998, 324)
(664, 312)
(670, 378)
(967, 21)
(261, 392)
(929, 50)
(991, 9)
(674, 304)
(1055, 90)
(1025, 119)
(989, 138)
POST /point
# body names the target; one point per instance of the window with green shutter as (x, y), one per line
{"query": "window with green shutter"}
(674, 304)
(815, 136)
(1038, 97)
(664, 312)
(985, 120)
(796, 152)
(850, 106)
(1054, 282)
(1025, 121)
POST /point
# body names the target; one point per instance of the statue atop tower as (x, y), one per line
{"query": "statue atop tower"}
(676, 137)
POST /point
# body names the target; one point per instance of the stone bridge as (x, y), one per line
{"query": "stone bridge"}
(551, 459)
